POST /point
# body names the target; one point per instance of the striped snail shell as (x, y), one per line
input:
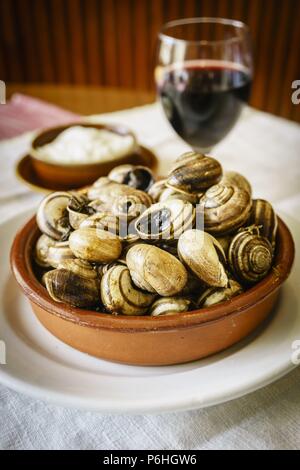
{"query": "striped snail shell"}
(67, 286)
(169, 306)
(194, 173)
(263, 215)
(225, 209)
(235, 178)
(171, 193)
(156, 270)
(131, 205)
(213, 295)
(120, 295)
(165, 220)
(107, 191)
(58, 253)
(52, 216)
(250, 256)
(79, 266)
(79, 209)
(41, 250)
(103, 268)
(200, 253)
(135, 176)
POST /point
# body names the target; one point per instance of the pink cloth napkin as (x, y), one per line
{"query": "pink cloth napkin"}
(23, 113)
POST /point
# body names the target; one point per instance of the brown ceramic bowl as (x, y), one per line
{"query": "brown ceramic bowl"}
(146, 340)
(66, 176)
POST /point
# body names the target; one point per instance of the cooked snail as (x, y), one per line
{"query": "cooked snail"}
(42, 249)
(171, 193)
(52, 215)
(103, 268)
(263, 215)
(107, 191)
(95, 245)
(155, 270)
(135, 176)
(200, 253)
(58, 253)
(169, 306)
(80, 267)
(225, 209)
(78, 209)
(118, 225)
(213, 295)
(66, 286)
(250, 256)
(119, 295)
(236, 179)
(165, 220)
(131, 205)
(194, 173)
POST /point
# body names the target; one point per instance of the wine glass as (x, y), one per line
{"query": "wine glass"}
(203, 76)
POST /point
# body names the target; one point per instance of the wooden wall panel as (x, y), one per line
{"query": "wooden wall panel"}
(112, 42)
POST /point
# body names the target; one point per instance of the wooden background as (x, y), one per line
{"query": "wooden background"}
(112, 42)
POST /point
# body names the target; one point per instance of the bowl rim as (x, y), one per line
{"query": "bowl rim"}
(21, 265)
(120, 129)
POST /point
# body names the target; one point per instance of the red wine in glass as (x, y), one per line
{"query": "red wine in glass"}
(203, 99)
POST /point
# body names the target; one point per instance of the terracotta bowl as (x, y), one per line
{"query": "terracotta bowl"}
(77, 175)
(146, 340)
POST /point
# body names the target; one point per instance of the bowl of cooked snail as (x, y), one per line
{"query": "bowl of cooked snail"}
(153, 272)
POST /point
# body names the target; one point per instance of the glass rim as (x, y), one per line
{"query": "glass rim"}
(203, 19)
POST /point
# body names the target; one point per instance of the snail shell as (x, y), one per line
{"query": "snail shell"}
(95, 245)
(194, 173)
(42, 249)
(66, 286)
(135, 176)
(250, 256)
(236, 179)
(80, 267)
(117, 225)
(225, 208)
(169, 306)
(156, 189)
(107, 191)
(165, 220)
(200, 252)
(52, 215)
(131, 205)
(155, 270)
(103, 268)
(58, 253)
(263, 215)
(78, 209)
(213, 295)
(171, 193)
(119, 295)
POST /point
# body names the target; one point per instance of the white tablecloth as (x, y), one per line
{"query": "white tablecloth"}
(267, 150)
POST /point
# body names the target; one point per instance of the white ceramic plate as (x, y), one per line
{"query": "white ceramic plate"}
(40, 365)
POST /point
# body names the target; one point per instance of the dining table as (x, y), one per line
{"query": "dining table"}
(262, 146)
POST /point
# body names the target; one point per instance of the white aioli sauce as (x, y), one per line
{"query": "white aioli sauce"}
(82, 145)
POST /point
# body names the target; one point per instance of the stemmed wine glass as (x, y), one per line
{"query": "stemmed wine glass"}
(203, 76)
